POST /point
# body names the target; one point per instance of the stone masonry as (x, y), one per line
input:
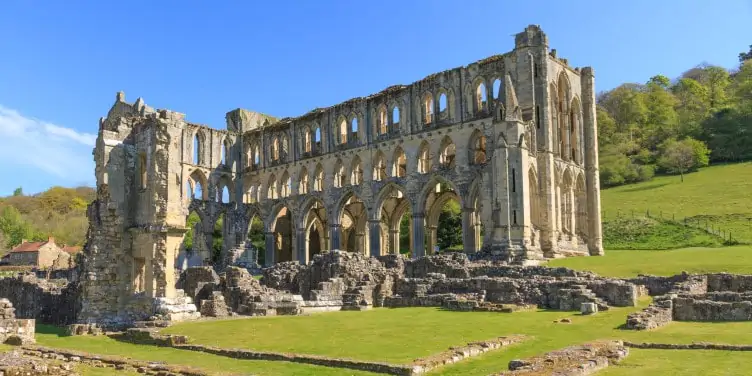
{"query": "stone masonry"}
(512, 138)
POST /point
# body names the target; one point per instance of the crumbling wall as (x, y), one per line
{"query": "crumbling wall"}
(49, 302)
(729, 282)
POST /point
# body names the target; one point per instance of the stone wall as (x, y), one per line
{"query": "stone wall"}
(49, 302)
(14, 331)
(727, 306)
(571, 361)
(729, 282)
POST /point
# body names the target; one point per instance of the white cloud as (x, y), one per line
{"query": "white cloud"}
(44, 148)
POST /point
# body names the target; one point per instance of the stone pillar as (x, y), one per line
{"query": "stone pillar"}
(269, 249)
(432, 240)
(419, 235)
(469, 238)
(592, 179)
(335, 230)
(374, 233)
(301, 245)
(394, 241)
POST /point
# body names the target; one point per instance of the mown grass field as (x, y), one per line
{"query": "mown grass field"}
(400, 335)
(53, 337)
(720, 195)
(630, 263)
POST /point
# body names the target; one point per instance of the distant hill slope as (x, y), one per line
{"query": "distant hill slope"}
(719, 195)
(59, 212)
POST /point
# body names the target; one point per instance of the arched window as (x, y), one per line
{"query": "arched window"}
(343, 131)
(307, 144)
(317, 139)
(198, 148)
(253, 194)
(497, 88)
(448, 153)
(424, 159)
(481, 100)
(303, 189)
(383, 121)
(479, 149)
(189, 189)
(400, 164)
(286, 185)
(275, 149)
(395, 117)
(379, 167)
(225, 196)
(272, 192)
(427, 108)
(354, 129)
(356, 174)
(442, 103)
(256, 156)
(318, 182)
(339, 174)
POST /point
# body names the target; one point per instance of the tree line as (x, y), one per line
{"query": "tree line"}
(675, 126)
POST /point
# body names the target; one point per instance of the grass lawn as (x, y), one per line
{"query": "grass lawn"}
(724, 193)
(621, 263)
(96, 371)
(675, 363)
(52, 337)
(403, 334)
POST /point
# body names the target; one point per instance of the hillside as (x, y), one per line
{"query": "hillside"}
(58, 212)
(720, 196)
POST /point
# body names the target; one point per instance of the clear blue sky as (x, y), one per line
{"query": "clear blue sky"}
(61, 62)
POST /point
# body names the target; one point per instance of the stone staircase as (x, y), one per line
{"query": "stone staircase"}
(358, 298)
(179, 308)
(571, 299)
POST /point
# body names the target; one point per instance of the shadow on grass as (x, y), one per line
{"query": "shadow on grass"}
(51, 329)
(646, 187)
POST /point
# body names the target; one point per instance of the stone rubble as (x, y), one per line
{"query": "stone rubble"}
(571, 361)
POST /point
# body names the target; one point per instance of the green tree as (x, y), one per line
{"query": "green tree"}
(728, 134)
(15, 228)
(692, 105)
(190, 223)
(661, 122)
(18, 191)
(683, 156)
(744, 56)
(449, 230)
(741, 86)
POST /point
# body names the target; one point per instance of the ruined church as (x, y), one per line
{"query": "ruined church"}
(511, 138)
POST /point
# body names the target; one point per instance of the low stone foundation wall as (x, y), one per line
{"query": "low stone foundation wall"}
(104, 361)
(729, 282)
(14, 363)
(48, 302)
(713, 307)
(571, 361)
(688, 346)
(657, 314)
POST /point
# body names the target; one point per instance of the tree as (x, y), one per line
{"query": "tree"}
(692, 107)
(18, 191)
(683, 156)
(661, 121)
(744, 56)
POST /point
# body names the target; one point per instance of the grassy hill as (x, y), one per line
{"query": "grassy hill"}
(718, 196)
(59, 212)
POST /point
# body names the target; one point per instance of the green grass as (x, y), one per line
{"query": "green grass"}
(648, 233)
(621, 263)
(721, 192)
(85, 370)
(52, 337)
(401, 335)
(676, 363)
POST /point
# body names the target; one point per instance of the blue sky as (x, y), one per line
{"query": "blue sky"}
(61, 62)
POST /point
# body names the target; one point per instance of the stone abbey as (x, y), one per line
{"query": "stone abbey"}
(512, 138)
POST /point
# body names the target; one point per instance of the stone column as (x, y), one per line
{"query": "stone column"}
(468, 231)
(374, 233)
(269, 249)
(419, 235)
(432, 240)
(394, 241)
(301, 246)
(592, 179)
(335, 230)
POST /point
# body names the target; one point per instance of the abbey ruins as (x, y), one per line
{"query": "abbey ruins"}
(512, 138)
